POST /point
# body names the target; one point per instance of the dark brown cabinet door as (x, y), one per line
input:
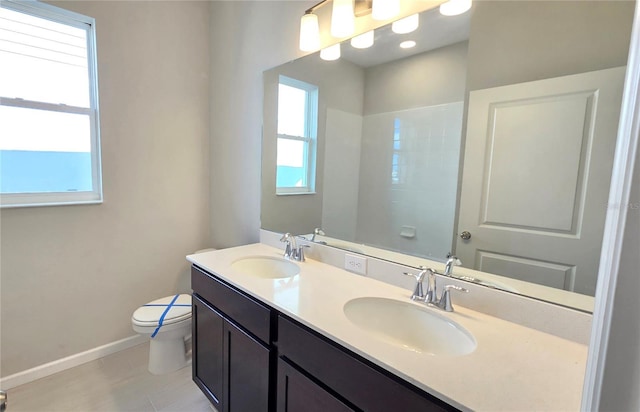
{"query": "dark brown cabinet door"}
(297, 393)
(208, 351)
(248, 372)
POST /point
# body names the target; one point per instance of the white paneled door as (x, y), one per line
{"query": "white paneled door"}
(537, 170)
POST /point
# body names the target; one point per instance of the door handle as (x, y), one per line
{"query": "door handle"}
(465, 235)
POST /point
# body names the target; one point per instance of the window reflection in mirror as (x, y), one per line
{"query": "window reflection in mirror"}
(297, 131)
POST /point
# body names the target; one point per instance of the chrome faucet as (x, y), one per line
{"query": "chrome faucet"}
(430, 297)
(418, 292)
(451, 262)
(292, 250)
(445, 300)
(316, 231)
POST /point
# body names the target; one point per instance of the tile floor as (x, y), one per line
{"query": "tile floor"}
(118, 382)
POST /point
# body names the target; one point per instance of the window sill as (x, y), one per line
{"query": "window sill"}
(295, 193)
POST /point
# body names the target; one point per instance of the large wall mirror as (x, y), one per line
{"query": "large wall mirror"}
(492, 138)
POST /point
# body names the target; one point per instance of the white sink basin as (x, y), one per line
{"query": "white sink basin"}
(267, 267)
(409, 326)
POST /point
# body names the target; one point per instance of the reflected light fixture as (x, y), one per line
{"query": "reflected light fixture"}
(408, 44)
(406, 25)
(385, 9)
(363, 41)
(342, 18)
(309, 32)
(331, 52)
(454, 7)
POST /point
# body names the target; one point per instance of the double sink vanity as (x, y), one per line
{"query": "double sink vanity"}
(272, 334)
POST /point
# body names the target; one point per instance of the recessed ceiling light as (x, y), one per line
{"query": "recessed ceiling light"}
(407, 44)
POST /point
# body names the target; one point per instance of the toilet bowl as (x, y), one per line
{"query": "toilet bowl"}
(167, 321)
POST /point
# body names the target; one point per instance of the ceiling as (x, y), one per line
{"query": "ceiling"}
(435, 31)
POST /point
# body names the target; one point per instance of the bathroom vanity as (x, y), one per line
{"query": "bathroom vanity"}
(240, 343)
(275, 335)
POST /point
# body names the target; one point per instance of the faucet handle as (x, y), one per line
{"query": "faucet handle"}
(418, 292)
(286, 237)
(445, 301)
(454, 259)
(317, 231)
(288, 251)
(300, 254)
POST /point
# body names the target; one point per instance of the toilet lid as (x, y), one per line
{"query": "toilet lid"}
(150, 314)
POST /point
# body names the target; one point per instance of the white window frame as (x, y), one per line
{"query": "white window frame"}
(310, 137)
(58, 15)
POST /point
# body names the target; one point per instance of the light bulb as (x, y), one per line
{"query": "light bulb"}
(363, 41)
(309, 33)
(331, 52)
(408, 44)
(406, 25)
(342, 18)
(385, 9)
(454, 7)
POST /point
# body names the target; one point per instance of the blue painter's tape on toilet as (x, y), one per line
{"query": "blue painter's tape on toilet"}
(167, 321)
(164, 314)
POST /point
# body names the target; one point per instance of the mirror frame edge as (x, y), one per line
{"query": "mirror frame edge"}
(621, 183)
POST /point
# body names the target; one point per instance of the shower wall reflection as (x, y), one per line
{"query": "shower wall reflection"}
(409, 170)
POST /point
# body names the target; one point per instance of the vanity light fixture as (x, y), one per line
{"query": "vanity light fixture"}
(343, 19)
(309, 32)
(406, 25)
(385, 9)
(455, 7)
(363, 41)
(408, 44)
(343, 16)
(331, 52)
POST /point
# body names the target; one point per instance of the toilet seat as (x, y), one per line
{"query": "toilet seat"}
(149, 315)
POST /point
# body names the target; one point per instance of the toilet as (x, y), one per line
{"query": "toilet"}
(167, 321)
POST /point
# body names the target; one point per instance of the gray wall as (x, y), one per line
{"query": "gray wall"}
(426, 79)
(520, 41)
(73, 275)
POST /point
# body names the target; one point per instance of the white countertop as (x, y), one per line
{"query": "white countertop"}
(513, 368)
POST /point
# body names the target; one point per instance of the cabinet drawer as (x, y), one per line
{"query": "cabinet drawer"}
(297, 393)
(237, 306)
(362, 384)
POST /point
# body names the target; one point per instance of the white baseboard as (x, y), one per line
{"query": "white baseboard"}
(60, 365)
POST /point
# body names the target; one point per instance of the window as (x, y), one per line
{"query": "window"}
(297, 130)
(398, 160)
(49, 124)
